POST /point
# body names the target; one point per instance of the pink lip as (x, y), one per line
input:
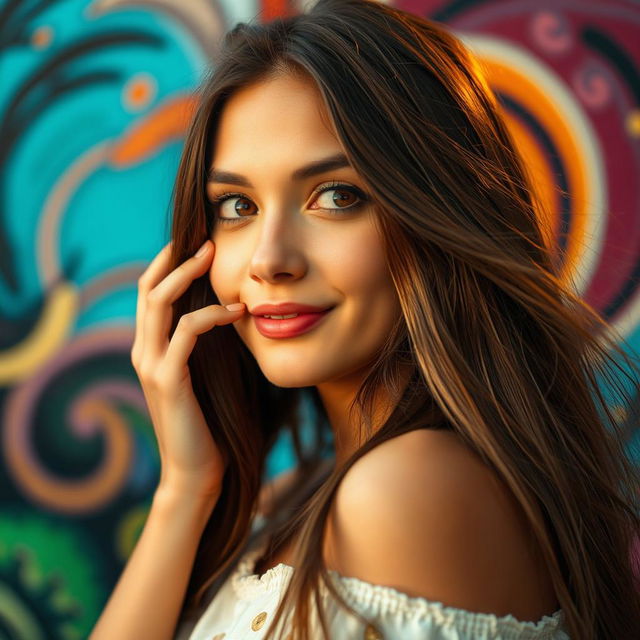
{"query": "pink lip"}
(288, 327)
(285, 308)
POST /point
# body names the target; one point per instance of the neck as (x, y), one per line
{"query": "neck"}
(337, 396)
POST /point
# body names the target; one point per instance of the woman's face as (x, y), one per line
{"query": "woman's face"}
(279, 241)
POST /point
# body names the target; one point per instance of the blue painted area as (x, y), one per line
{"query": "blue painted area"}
(282, 456)
(109, 200)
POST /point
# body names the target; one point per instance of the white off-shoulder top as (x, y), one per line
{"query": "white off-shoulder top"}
(245, 603)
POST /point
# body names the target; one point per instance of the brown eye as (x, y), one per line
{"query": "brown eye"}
(339, 197)
(233, 206)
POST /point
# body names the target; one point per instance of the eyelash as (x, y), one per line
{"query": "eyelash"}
(215, 203)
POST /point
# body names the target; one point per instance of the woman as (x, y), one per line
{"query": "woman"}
(349, 167)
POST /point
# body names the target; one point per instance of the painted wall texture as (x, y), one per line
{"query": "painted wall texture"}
(94, 100)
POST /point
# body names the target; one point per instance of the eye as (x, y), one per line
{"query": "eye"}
(230, 208)
(342, 197)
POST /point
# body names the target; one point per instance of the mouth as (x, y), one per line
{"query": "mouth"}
(289, 325)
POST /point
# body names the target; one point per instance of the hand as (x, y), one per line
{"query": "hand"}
(191, 462)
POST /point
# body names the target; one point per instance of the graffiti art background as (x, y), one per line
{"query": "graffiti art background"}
(94, 98)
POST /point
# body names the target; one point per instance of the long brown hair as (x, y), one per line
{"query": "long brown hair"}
(502, 350)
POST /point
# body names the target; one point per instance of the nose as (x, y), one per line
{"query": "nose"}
(278, 255)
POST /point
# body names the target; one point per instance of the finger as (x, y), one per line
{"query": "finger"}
(145, 284)
(156, 270)
(158, 311)
(190, 326)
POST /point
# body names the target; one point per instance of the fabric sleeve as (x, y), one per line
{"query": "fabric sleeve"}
(392, 615)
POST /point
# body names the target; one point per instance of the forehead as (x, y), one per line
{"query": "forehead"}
(278, 115)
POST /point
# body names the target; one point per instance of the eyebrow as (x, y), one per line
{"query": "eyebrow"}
(336, 161)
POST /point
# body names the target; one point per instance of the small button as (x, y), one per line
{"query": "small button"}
(258, 621)
(219, 636)
(371, 633)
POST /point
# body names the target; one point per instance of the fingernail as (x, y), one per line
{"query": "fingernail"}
(236, 306)
(202, 249)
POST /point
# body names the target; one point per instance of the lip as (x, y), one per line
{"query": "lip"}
(288, 327)
(284, 308)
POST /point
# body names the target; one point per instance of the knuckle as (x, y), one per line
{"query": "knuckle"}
(147, 372)
(187, 321)
(143, 282)
(155, 297)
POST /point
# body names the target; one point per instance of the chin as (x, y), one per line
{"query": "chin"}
(289, 379)
(294, 371)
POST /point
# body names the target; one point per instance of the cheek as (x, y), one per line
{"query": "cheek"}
(374, 306)
(361, 267)
(223, 273)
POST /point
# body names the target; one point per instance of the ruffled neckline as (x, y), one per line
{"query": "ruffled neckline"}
(248, 584)
(383, 599)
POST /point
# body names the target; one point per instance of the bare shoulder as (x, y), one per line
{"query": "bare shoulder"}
(422, 513)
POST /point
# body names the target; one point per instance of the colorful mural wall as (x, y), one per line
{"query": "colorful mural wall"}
(94, 99)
